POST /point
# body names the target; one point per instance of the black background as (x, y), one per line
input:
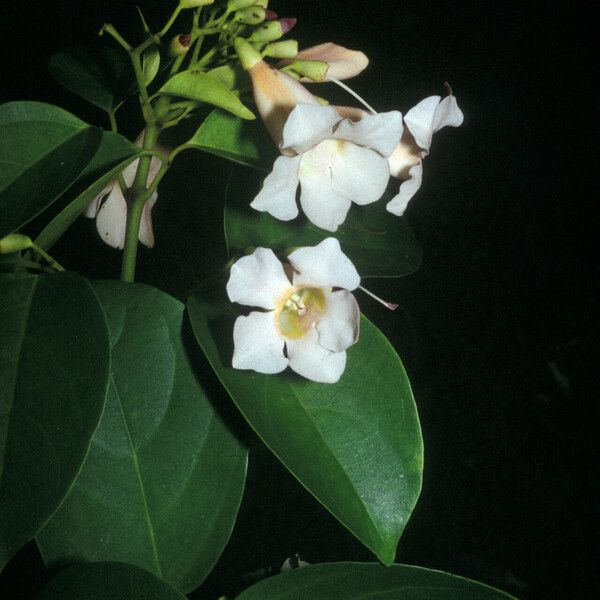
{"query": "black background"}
(497, 329)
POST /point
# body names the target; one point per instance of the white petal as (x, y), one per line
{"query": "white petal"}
(314, 362)
(343, 62)
(324, 265)
(258, 280)
(405, 155)
(278, 194)
(111, 219)
(320, 203)
(447, 114)
(357, 173)
(397, 205)
(94, 206)
(339, 325)
(257, 344)
(381, 132)
(419, 120)
(307, 126)
(146, 234)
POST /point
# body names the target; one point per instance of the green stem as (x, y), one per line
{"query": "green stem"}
(51, 262)
(170, 22)
(109, 28)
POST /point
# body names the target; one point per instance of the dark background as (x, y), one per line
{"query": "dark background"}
(497, 329)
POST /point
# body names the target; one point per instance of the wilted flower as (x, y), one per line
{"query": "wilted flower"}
(335, 160)
(308, 326)
(109, 208)
(406, 162)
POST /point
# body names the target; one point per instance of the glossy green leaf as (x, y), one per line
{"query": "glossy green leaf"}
(108, 581)
(232, 75)
(43, 149)
(378, 243)
(54, 370)
(103, 75)
(196, 85)
(150, 64)
(113, 155)
(355, 445)
(235, 139)
(365, 581)
(164, 476)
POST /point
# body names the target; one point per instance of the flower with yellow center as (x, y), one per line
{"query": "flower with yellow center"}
(309, 321)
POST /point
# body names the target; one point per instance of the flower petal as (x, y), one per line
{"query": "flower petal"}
(112, 217)
(343, 62)
(338, 327)
(397, 205)
(307, 126)
(278, 194)
(324, 265)
(419, 120)
(257, 344)
(357, 173)
(94, 206)
(381, 132)
(258, 280)
(314, 362)
(320, 203)
(405, 155)
(276, 94)
(146, 233)
(447, 114)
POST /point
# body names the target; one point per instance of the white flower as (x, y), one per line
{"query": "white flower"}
(307, 326)
(109, 208)
(406, 162)
(336, 162)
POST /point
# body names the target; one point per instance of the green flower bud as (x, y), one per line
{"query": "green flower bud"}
(14, 242)
(285, 49)
(263, 3)
(247, 54)
(180, 44)
(194, 3)
(267, 32)
(251, 16)
(234, 5)
(316, 70)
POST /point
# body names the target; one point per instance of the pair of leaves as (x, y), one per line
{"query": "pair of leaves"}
(355, 445)
(333, 581)
(163, 476)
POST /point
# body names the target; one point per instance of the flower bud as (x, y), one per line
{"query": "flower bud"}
(263, 3)
(285, 49)
(180, 44)
(270, 15)
(251, 16)
(234, 5)
(271, 31)
(315, 70)
(14, 242)
(194, 3)
(247, 54)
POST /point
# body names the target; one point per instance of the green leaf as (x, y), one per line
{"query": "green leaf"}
(113, 155)
(235, 139)
(196, 85)
(43, 149)
(355, 445)
(54, 370)
(150, 64)
(107, 581)
(365, 581)
(164, 476)
(377, 242)
(103, 75)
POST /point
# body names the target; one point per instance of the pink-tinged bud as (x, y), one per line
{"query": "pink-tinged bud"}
(267, 32)
(251, 16)
(270, 15)
(14, 242)
(343, 62)
(180, 44)
(276, 94)
(288, 23)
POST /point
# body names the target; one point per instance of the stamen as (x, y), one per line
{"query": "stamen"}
(389, 305)
(352, 92)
